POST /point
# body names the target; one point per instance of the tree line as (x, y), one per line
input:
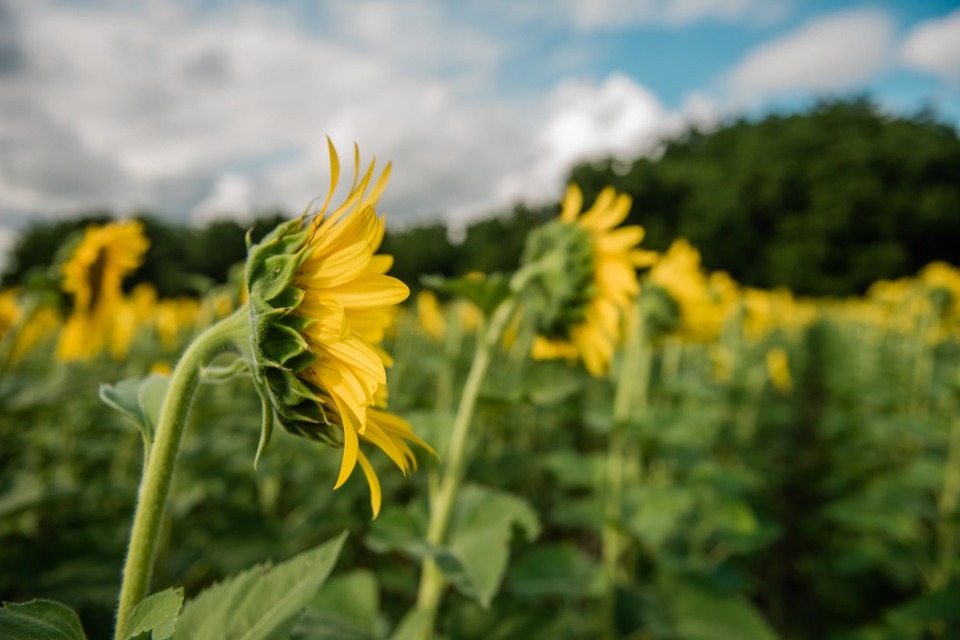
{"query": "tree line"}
(824, 202)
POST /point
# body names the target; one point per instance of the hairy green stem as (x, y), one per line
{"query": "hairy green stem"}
(432, 581)
(160, 464)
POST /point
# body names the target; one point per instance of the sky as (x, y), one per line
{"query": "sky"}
(204, 109)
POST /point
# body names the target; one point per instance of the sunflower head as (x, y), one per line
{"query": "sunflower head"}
(280, 349)
(320, 302)
(93, 275)
(564, 285)
(578, 276)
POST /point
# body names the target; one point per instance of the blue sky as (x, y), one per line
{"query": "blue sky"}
(200, 109)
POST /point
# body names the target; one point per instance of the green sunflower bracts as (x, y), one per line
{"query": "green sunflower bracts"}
(557, 273)
(280, 350)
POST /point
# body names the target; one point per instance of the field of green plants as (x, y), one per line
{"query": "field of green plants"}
(741, 463)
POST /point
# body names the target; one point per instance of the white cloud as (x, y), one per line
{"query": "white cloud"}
(231, 197)
(200, 115)
(833, 53)
(586, 121)
(150, 105)
(594, 14)
(163, 109)
(933, 46)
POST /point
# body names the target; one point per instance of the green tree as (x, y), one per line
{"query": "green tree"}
(824, 202)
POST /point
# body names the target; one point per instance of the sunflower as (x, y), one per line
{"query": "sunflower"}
(430, 315)
(93, 275)
(320, 302)
(778, 370)
(588, 278)
(700, 302)
(10, 311)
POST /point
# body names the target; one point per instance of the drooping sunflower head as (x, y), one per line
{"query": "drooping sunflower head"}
(320, 302)
(582, 276)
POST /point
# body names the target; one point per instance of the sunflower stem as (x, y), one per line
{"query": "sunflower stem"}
(231, 332)
(432, 581)
(631, 394)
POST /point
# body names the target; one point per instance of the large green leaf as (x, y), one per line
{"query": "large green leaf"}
(479, 547)
(346, 607)
(261, 603)
(39, 620)
(156, 614)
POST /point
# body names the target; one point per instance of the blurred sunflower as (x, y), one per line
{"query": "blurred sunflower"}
(10, 311)
(778, 369)
(701, 303)
(320, 302)
(93, 275)
(430, 315)
(586, 278)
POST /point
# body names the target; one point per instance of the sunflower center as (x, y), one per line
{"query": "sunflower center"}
(95, 283)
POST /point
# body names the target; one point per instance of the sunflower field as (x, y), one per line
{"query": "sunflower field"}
(607, 442)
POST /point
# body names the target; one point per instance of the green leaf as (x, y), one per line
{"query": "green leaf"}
(480, 532)
(487, 292)
(156, 614)
(152, 392)
(434, 427)
(261, 603)
(401, 529)
(655, 513)
(139, 399)
(574, 470)
(348, 606)
(702, 613)
(413, 626)
(39, 620)
(557, 570)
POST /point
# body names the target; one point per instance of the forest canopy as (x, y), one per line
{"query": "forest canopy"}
(824, 202)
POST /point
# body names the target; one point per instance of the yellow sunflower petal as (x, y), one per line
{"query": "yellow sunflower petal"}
(351, 451)
(620, 240)
(607, 212)
(339, 267)
(370, 290)
(373, 481)
(572, 202)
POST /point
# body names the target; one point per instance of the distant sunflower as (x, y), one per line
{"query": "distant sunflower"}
(579, 302)
(701, 302)
(320, 304)
(93, 276)
(430, 315)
